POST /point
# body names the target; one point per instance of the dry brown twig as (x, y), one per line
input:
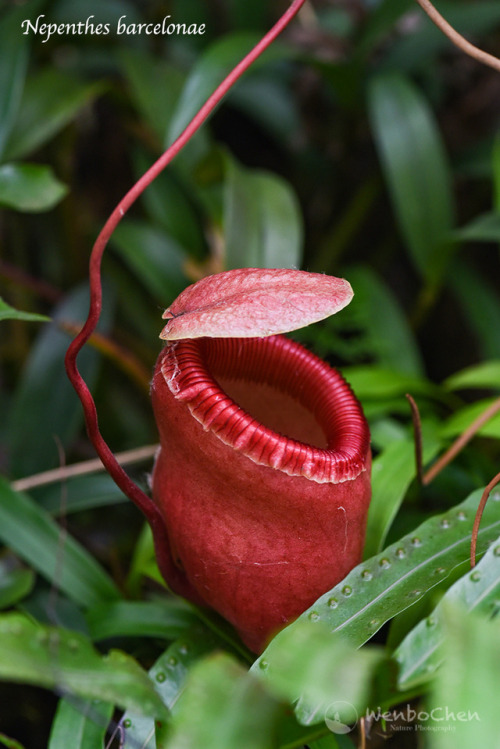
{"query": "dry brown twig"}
(128, 457)
(458, 39)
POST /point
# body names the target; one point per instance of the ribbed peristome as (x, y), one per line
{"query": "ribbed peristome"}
(195, 369)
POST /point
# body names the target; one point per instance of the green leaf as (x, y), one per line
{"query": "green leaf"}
(485, 228)
(50, 101)
(154, 257)
(168, 619)
(10, 743)
(45, 407)
(169, 203)
(80, 493)
(66, 661)
(384, 585)
(370, 382)
(30, 187)
(36, 538)
(15, 584)
(376, 312)
(262, 220)
(463, 418)
(464, 698)
(392, 473)
(9, 313)
(147, 76)
(169, 675)
(80, 724)
(308, 663)
(416, 170)
(484, 375)
(13, 66)
(421, 652)
(223, 707)
(478, 298)
(210, 70)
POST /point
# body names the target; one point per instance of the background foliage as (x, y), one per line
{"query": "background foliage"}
(361, 145)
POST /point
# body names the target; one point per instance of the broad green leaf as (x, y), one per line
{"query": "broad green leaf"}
(30, 187)
(223, 707)
(210, 70)
(392, 473)
(464, 697)
(384, 585)
(421, 652)
(319, 669)
(51, 99)
(169, 203)
(66, 661)
(147, 76)
(168, 619)
(13, 65)
(416, 170)
(485, 228)
(478, 298)
(463, 418)
(80, 724)
(169, 675)
(36, 538)
(374, 382)
(266, 99)
(9, 313)
(80, 493)
(45, 408)
(484, 375)
(15, 584)
(262, 220)
(154, 257)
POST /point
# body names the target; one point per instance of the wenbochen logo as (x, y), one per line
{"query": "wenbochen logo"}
(341, 717)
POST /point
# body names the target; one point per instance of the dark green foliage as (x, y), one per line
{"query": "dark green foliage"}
(363, 145)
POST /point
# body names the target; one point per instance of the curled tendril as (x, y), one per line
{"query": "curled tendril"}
(119, 475)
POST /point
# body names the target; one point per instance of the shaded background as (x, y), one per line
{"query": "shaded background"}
(362, 145)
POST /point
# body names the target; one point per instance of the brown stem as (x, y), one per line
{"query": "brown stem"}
(458, 39)
(127, 457)
(417, 431)
(460, 442)
(479, 514)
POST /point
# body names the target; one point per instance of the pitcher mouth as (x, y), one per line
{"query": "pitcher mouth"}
(274, 401)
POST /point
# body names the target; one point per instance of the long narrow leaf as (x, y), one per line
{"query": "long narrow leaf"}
(36, 538)
(421, 652)
(80, 725)
(13, 65)
(416, 170)
(390, 582)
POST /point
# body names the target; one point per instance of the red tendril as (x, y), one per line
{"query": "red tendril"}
(121, 478)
